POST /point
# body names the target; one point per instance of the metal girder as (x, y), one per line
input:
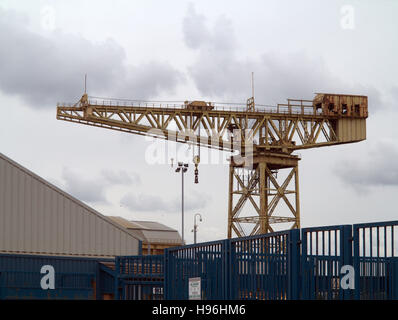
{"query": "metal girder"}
(277, 131)
(259, 183)
(272, 220)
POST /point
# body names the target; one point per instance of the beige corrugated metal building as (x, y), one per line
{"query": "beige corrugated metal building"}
(38, 218)
(155, 236)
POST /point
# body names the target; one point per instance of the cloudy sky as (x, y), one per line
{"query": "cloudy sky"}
(178, 50)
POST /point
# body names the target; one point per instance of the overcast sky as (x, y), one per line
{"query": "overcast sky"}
(178, 50)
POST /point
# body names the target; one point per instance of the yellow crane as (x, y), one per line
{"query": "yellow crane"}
(264, 136)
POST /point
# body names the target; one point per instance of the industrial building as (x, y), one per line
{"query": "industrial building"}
(155, 236)
(38, 218)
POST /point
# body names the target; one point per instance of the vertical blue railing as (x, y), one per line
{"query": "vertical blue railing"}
(261, 267)
(256, 267)
(139, 277)
(375, 260)
(226, 269)
(324, 251)
(294, 270)
(208, 261)
(117, 276)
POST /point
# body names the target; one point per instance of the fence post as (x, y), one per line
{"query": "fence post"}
(233, 277)
(1, 285)
(394, 278)
(166, 274)
(294, 264)
(226, 245)
(117, 272)
(98, 289)
(346, 242)
(304, 272)
(356, 264)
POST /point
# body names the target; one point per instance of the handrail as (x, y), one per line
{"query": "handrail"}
(296, 109)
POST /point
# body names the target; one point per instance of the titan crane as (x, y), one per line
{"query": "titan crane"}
(265, 138)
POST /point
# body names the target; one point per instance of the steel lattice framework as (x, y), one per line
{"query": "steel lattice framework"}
(264, 136)
(276, 129)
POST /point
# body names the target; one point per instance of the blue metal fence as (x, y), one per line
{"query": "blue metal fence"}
(74, 278)
(23, 285)
(208, 261)
(257, 267)
(263, 267)
(311, 264)
(375, 260)
(324, 251)
(106, 281)
(139, 277)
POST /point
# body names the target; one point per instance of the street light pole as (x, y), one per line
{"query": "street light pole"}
(182, 206)
(183, 167)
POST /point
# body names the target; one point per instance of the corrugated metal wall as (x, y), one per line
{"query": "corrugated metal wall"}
(37, 217)
(351, 129)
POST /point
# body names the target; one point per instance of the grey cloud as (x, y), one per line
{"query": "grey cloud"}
(378, 168)
(195, 201)
(121, 177)
(148, 80)
(195, 31)
(155, 203)
(146, 203)
(197, 34)
(43, 70)
(86, 190)
(220, 73)
(94, 190)
(394, 94)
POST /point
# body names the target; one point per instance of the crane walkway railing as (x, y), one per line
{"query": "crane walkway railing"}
(303, 107)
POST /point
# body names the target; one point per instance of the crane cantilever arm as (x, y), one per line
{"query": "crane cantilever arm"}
(283, 129)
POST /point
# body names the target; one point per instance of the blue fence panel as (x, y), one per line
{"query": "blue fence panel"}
(26, 285)
(139, 277)
(324, 251)
(208, 261)
(375, 260)
(263, 268)
(145, 266)
(106, 280)
(75, 278)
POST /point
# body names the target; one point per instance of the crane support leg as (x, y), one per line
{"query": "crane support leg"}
(271, 182)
